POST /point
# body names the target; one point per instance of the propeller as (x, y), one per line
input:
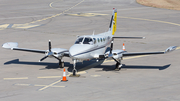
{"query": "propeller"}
(49, 45)
(49, 53)
(111, 46)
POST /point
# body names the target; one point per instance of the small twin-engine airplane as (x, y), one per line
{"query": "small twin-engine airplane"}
(89, 47)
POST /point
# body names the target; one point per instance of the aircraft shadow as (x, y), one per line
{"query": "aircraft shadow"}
(47, 64)
(85, 65)
(111, 67)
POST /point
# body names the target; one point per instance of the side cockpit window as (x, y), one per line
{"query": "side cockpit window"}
(79, 40)
(88, 40)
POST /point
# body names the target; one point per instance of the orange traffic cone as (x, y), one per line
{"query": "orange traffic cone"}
(123, 47)
(64, 76)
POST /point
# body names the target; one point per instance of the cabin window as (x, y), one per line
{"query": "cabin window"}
(94, 40)
(98, 39)
(108, 37)
(101, 39)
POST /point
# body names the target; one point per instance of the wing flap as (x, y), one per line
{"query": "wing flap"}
(144, 53)
(29, 50)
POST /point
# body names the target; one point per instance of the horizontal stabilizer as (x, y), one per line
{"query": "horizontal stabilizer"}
(10, 45)
(130, 37)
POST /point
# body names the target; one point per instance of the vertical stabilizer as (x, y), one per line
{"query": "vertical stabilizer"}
(112, 26)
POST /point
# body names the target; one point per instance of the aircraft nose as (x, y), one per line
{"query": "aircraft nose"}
(73, 50)
(76, 51)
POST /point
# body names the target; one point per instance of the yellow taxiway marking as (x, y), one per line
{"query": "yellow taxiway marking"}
(177, 48)
(32, 24)
(15, 78)
(24, 26)
(4, 26)
(45, 77)
(53, 16)
(50, 5)
(95, 75)
(150, 20)
(47, 86)
(81, 72)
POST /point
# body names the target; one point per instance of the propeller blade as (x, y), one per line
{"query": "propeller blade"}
(49, 45)
(111, 46)
(43, 58)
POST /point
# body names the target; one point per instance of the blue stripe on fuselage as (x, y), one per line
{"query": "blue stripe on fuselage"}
(89, 50)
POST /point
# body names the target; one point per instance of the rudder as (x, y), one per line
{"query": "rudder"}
(112, 26)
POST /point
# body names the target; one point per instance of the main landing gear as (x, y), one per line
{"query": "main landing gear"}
(61, 63)
(118, 65)
(74, 70)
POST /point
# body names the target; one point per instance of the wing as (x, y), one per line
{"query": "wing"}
(14, 46)
(172, 48)
(57, 53)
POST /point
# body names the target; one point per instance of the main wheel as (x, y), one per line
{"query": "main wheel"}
(61, 64)
(117, 66)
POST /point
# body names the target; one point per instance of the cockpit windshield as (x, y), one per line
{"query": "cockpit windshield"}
(84, 40)
(79, 40)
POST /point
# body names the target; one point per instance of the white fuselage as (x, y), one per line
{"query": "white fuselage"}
(90, 46)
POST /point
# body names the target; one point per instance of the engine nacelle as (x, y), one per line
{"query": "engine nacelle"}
(117, 54)
(59, 52)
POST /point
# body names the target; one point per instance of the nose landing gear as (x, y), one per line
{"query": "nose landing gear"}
(74, 70)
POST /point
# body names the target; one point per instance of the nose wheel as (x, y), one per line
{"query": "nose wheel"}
(74, 70)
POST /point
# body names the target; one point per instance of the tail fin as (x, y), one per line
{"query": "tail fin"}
(112, 26)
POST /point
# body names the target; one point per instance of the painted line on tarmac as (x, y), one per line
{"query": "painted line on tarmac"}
(36, 85)
(47, 77)
(53, 16)
(95, 75)
(32, 24)
(15, 78)
(50, 85)
(4, 26)
(149, 20)
(50, 5)
(81, 72)
(177, 48)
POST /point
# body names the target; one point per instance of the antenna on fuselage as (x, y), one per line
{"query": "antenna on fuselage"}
(93, 32)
